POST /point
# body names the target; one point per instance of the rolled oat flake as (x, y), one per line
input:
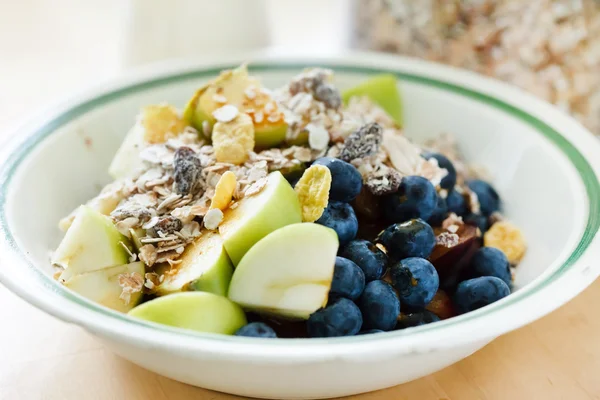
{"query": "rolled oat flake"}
(318, 137)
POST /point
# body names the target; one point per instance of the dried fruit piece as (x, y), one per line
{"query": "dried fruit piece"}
(507, 238)
(383, 181)
(224, 191)
(168, 224)
(313, 192)
(363, 142)
(329, 95)
(188, 169)
(234, 140)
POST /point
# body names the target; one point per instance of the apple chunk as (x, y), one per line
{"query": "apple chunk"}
(155, 124)
(245, 92)
(256, 216)
(91, 243)
(204, 267)
(103, 287)
(198, 311)
(383, 91)
(288, 273)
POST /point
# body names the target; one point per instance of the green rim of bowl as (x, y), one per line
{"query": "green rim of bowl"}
(584, 169)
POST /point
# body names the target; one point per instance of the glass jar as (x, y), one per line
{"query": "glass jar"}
(548, 47)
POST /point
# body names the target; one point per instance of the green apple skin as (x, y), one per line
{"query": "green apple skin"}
(382, 90)
(266, 137)
(91, 243)
(127, 161)
(275, 206)
(102, 286)
(204, 267)
(288, 273)
(136, 236)
(198, 311)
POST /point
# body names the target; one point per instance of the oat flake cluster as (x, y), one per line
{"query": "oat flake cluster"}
(548, 47)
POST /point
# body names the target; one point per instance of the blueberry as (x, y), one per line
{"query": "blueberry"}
(479, 221)
(456, 203)
(414, 238)
(341, 218)
(369, 331)
(346, 181)
(416, 281)
(488, 261)
(256, 329)
(379, 305)
(489, 201)
(416, 319)
(415, 198)
(340, 318)
(479, 292)
(440, 213)
(348, 279)
(367, 256)
(449, 180)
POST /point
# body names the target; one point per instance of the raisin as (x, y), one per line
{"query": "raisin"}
(384, 181)
(329, 95)
(188, 169)
(363, 142)
(143, 214)
(168, 224)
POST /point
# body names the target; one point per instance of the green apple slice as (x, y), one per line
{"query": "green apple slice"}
(237, 88)
(288, 273)
(256, 216)
(204, 267)
(127, 161)
(382, 90)
(198, 311)
(91, 243)
(155, 124)
(136, 237)
(103, 287)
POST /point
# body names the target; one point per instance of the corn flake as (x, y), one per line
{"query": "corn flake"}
(234, 140)
(313, 192)
(507, 238)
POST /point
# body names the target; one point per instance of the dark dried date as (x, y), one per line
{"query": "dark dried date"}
(188, 169)
(363, 142)
(168, 224)
(329, 95)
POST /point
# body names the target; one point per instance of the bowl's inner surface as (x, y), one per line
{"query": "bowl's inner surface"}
(541, 190)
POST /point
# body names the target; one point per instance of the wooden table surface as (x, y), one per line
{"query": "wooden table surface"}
(557, 357)
(45, 52)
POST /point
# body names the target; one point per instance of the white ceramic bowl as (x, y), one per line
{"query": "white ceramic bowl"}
(544, 164)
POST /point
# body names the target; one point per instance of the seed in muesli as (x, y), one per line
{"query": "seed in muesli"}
(187, 171)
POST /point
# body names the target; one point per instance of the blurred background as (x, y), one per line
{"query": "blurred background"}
(549, 47)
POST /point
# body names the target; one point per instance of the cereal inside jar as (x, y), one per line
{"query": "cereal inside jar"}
(550, 48)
